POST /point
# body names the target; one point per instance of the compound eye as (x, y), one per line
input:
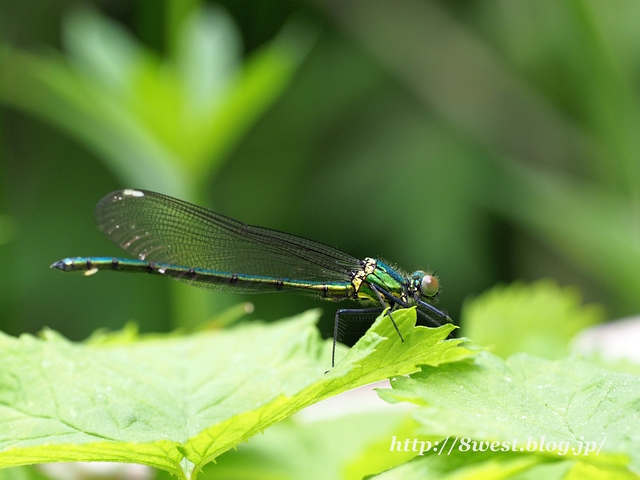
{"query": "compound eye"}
(429, 285)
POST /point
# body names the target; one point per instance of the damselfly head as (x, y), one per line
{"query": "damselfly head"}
(425, 283)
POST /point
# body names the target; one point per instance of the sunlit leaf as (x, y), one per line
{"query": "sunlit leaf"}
(566, 409)
(540, 318)
(176, 403)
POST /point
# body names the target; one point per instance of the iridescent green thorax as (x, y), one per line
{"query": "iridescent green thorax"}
(381, 275)
(408, 289)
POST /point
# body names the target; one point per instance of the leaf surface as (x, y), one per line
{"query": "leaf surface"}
(176, 403)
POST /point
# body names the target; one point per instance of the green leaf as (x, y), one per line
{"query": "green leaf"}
(499, 466)
(22, 473)
(550, 408)
(177, 403)
(538, 318)
(345, 447)
(478, 465)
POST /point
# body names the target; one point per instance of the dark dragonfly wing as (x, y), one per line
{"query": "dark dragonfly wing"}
(162, 229)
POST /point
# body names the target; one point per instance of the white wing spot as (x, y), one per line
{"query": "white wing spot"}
(129, 192)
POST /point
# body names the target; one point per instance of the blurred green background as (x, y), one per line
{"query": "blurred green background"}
(487, 140)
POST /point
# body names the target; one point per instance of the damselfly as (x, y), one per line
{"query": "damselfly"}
(198, 246)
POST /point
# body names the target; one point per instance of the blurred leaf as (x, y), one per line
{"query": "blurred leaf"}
(539, 318)
(208, 58)
(379, 455)
(163, 123)
(463, 78)
(532, 402)
(22, 473)
(48, 87)
(478, 465)
(96, 471)
(586, 471)
(595, 227)
(128, 334)
(228, 316)
(609, 98)
(177, 403)
(324, 449)
(7, 229)
(176, 11)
